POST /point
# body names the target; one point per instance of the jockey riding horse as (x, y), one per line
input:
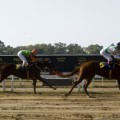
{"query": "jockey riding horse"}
(34, 69)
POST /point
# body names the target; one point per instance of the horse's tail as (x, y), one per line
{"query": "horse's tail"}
(69, 74)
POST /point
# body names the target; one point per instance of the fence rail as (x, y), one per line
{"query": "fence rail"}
(54, 80)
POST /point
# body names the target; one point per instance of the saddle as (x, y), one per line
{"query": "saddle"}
(110, 67)
(106, 65)
(24, 68)
(21, 68)
(103, 64)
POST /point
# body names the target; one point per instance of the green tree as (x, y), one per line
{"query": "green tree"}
(50, 49)
(75, 49)
(2, 48)
(9, 50)
(93, 49)
(60, 48)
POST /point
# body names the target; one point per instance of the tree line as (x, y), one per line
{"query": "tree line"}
(56, 48)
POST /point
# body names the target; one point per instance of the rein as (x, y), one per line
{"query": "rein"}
(35, 63)
(38, 67)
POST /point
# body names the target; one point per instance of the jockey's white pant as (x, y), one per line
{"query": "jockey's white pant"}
(22, 57)
(108, 56)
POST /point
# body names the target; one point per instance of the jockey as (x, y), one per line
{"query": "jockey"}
(24, 54)
(111, 50)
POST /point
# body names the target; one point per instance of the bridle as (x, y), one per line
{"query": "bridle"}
(35, 64)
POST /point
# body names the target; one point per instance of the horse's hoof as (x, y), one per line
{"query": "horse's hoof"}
(90, 96)
(66, 95)
(54, 88)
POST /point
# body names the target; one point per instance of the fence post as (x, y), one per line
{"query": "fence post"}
(3, 85)
(12, 82)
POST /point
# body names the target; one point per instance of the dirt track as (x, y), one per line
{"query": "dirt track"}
(48, 104)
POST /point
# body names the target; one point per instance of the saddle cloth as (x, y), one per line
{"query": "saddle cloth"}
(20, 67)
(104, 64)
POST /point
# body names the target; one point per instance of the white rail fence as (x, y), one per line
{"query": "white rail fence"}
(79, 86)
(12, 77)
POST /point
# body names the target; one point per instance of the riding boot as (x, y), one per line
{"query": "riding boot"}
(27, 68)
(111, 65)
(23, 68)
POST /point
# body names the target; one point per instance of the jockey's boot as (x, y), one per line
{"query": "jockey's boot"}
(26, 67)
(111, 65)
(23, 68)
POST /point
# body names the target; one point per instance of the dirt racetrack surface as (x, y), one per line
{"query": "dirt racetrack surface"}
(49, 104)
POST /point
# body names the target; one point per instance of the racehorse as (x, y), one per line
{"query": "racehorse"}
(89, 69)
(34, 70)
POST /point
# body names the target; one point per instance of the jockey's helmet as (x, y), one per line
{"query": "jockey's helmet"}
(34, 51)
(118, 44)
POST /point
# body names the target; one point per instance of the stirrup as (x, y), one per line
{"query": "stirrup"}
(23, 68)
(26, 67)
(110, 67)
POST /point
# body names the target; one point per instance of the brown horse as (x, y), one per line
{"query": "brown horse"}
(88, 70)
(34, 70)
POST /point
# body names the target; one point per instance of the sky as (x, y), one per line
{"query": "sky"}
(85, 22)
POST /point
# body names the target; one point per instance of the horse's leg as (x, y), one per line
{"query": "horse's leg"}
(118, 80)
(74, 85)
(80, 86)
(88, 81)
(34, 85)
(41, 79)
(3, 76)
(79, 80)
(2, 79)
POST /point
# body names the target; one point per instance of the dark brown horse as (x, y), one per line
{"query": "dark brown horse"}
(88, 70)
(34, 70)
